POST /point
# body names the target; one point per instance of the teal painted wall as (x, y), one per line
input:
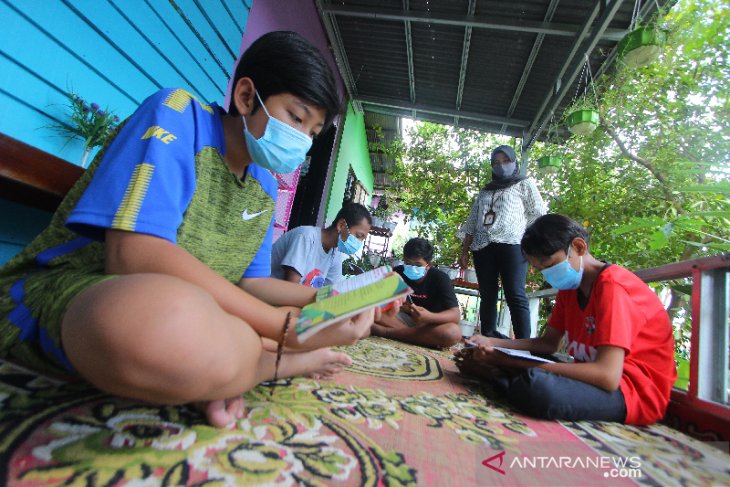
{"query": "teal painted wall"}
(352, 152)
(18, 226)
(112, 52)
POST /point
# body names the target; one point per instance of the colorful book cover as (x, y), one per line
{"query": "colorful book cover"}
(323, 313)
(352, 283)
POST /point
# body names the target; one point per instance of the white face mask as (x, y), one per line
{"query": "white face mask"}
(281, 149)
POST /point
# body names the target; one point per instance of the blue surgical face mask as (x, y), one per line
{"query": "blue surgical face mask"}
(281, 149)
(563, 275)
(414, 272)
(349, 246)
(502, 171)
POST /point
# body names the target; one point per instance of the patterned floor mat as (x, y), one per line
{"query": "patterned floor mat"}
(400, 415)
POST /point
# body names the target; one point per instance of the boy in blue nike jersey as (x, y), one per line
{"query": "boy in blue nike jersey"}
(152, 280)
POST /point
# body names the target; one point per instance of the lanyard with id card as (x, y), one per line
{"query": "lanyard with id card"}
(490, 216)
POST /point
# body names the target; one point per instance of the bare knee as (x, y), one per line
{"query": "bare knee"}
(447, 334)
(156, 338)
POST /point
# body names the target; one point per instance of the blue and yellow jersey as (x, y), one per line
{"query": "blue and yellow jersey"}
(163, 174)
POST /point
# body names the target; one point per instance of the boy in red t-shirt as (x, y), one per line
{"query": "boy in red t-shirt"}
(616, 329)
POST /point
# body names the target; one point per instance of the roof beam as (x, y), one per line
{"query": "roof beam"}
(530, 61)
(396, 104)
(562, 85)
(409, 52)
(464, 59)
(333, 32)
(481, 22)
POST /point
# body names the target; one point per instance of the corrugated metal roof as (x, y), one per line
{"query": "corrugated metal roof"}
(497, 66)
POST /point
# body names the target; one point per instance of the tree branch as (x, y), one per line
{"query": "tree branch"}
(649, 167)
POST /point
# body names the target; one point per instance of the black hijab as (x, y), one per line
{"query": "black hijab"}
(505, 182)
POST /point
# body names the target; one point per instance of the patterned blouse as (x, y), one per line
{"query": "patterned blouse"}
(515, 208)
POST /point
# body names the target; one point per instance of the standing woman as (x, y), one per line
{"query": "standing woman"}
(501, 212)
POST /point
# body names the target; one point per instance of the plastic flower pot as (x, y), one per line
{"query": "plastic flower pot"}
(467, 328)
(549, 164)
(582, 122)
(682, 374)
(470, 275)
(641, 46)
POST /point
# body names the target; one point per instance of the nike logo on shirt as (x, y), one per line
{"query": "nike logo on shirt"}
(247, 216)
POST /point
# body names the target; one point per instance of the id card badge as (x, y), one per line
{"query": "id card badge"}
(489, 218)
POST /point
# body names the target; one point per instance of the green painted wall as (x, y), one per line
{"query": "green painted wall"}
(352, 152)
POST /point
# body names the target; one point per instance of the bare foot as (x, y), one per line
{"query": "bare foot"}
(320, 363)
(222, 412)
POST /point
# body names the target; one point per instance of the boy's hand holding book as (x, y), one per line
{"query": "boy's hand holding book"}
(343, 332)
(350, 299)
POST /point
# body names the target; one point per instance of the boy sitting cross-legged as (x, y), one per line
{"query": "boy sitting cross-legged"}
(616, 329)
(431, 315)
(152, 279)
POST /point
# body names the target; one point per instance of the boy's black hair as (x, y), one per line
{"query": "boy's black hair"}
(353, 213)
(418, 247)
(285, 62)
(550, 233)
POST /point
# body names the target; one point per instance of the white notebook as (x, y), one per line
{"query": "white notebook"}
(523, 354)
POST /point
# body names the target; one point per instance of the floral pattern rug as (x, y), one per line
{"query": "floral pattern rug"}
(400, 415)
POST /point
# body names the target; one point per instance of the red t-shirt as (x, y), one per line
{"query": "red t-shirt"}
(624, 312)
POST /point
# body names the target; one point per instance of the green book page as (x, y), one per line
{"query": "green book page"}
(352, 283)
(320, 314)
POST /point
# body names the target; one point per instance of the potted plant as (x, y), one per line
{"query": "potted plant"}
(379, 215)
(550, 164)
(88, 122)
(682, 374)
(641, 46)
(470, 275)
(582, 116)
(466, 326)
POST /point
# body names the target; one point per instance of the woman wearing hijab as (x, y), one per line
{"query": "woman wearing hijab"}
(501, 212)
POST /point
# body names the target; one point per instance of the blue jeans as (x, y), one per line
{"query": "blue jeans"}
(506, 261)
(542, 394)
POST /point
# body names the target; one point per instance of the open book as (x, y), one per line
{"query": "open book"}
(348, 297)
(524, 354)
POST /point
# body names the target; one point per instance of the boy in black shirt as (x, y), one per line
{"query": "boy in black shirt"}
(430, 316)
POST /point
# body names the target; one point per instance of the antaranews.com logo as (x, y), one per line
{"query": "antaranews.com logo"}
(615, 467)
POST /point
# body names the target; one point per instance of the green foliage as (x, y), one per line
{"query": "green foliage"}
(653, 185)
(437, 173)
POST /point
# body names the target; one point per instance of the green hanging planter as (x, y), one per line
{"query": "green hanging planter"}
(549, 164)
(582, 122)
(641, 46)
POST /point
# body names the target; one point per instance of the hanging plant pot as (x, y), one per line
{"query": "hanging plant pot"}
(641, 46)
(582, 122)
(549, 164)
